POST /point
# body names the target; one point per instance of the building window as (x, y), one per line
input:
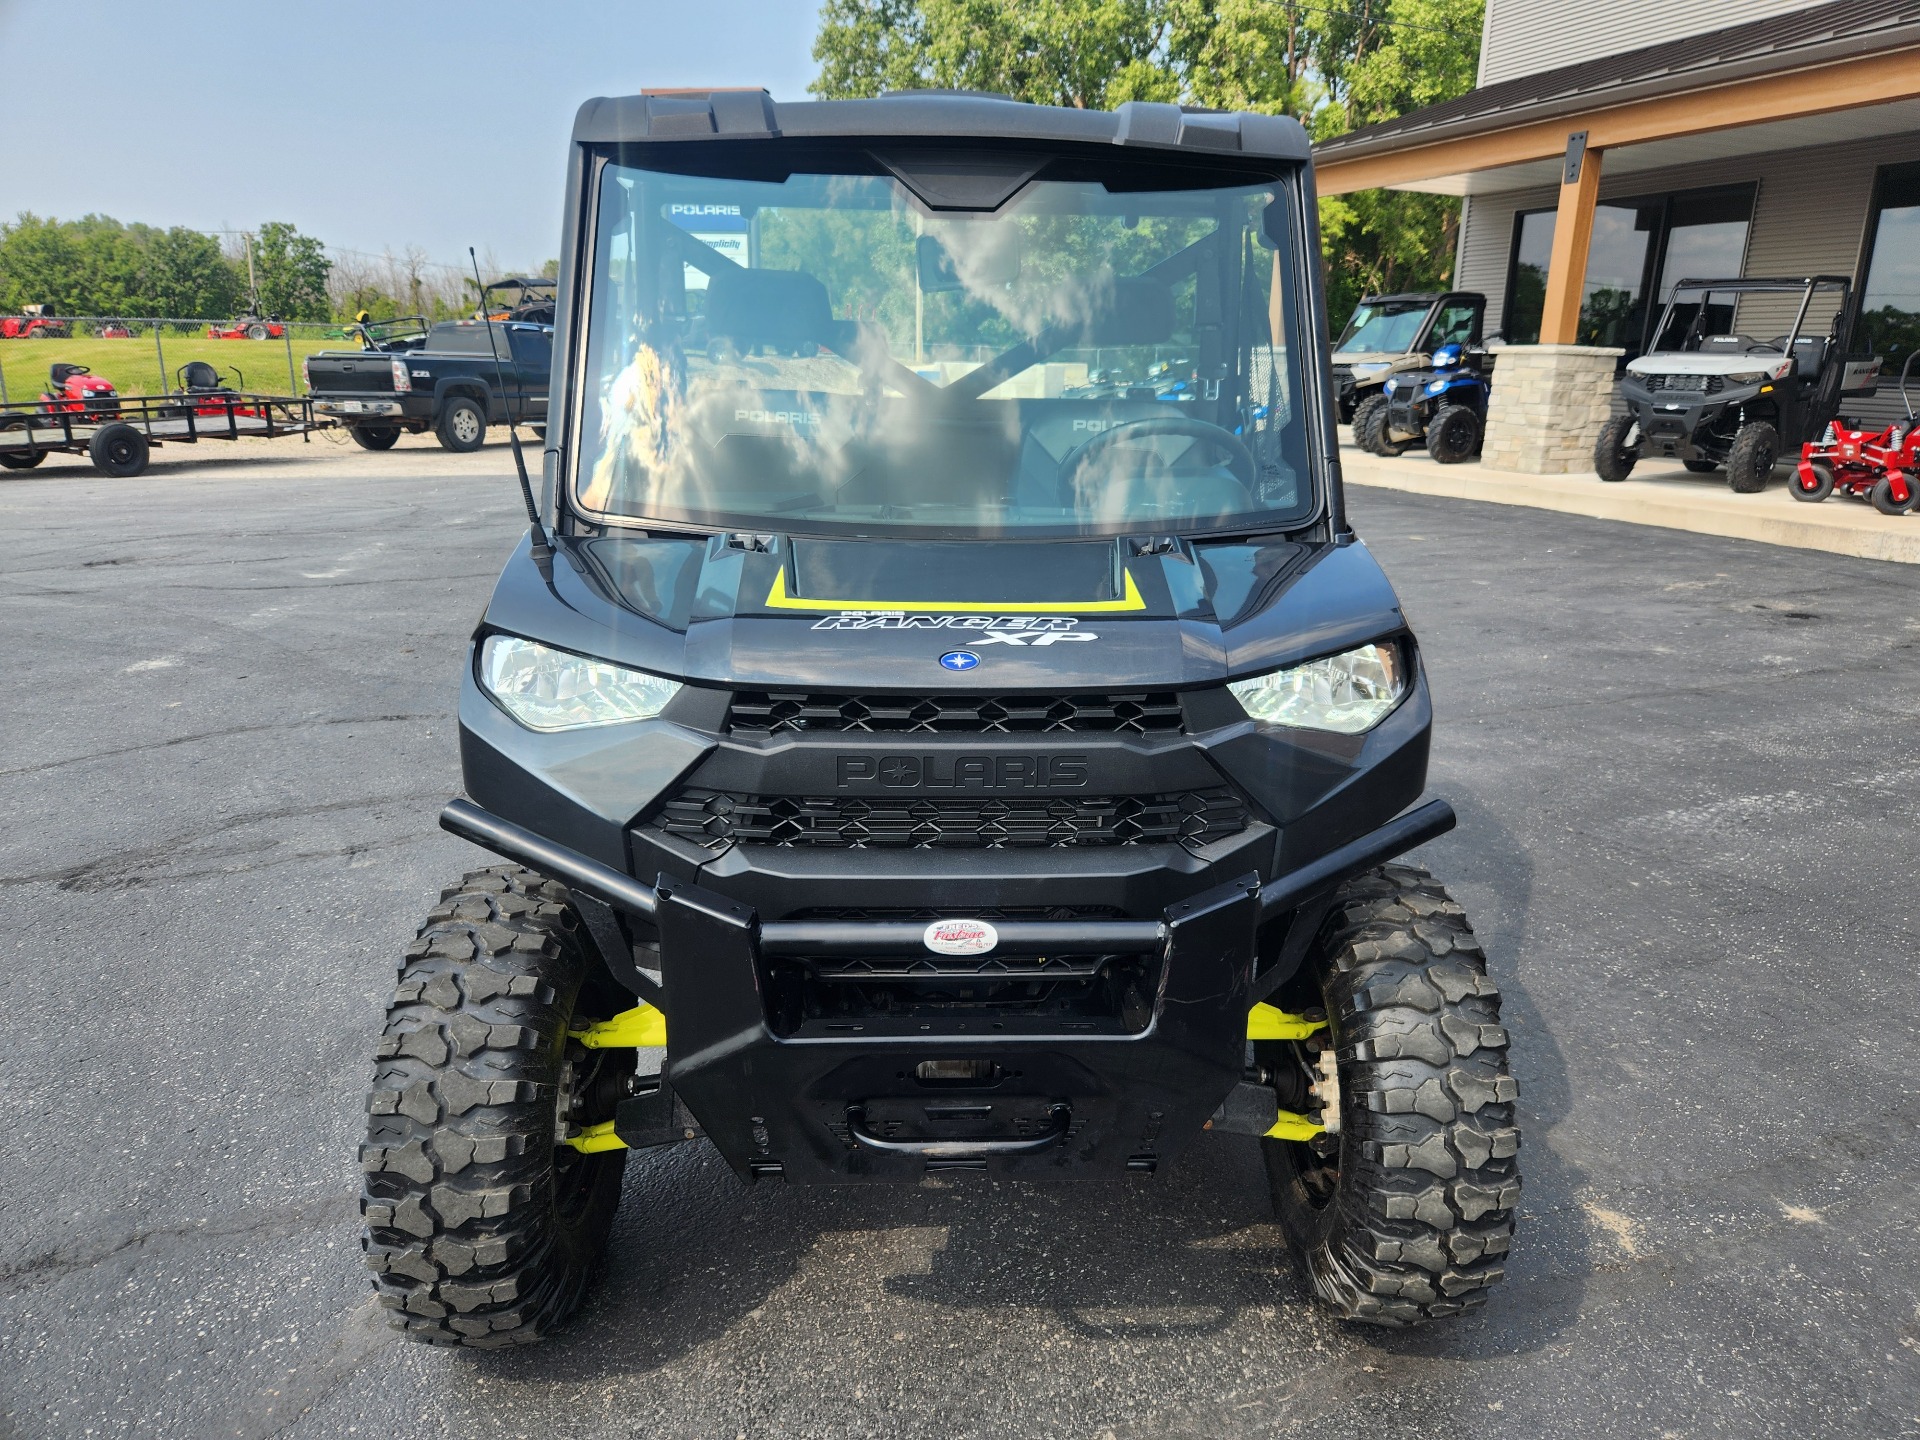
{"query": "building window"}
(1694, 235)
(1890, 288)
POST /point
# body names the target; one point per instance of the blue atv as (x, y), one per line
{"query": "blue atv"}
(1446, 406)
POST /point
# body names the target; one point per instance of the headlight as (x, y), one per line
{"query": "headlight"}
(1346, 693)
(1434, 387)
(548, 689)
(1747, 377)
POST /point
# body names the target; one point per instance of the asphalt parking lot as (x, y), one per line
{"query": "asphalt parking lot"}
(1686, 773)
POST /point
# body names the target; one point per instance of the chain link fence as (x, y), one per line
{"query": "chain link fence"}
(144, 355)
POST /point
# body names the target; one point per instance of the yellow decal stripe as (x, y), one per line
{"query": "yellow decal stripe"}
(779, 599)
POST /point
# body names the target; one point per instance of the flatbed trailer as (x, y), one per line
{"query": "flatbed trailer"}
(118, 435)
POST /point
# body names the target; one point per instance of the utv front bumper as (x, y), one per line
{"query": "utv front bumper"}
(880, 1097)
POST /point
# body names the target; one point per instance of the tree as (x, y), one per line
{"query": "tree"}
(1082, 53)
(290, 271)
(1335, 65)
(185, 274)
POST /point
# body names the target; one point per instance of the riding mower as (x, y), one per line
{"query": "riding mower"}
(946, 777)
(77, 391)
(201, 384)
(247, 327)
(1446, 407)
(1710, 396)
(1879, 466)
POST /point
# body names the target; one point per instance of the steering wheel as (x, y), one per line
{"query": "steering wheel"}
(1239, 458)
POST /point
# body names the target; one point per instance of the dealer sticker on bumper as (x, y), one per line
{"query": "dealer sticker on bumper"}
(961, 937)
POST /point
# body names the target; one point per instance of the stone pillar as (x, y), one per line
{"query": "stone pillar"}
(1547, 407)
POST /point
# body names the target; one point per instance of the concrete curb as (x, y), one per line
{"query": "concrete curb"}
(1662, 495)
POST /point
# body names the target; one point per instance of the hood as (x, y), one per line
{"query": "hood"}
(777, 611)
(1377, 357)
(1690, 362)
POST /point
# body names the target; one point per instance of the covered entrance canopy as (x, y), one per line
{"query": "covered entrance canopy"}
(1826, 74)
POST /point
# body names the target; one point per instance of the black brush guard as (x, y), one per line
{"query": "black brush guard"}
(1041, 1099)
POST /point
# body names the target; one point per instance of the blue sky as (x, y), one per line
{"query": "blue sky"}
(369, 123)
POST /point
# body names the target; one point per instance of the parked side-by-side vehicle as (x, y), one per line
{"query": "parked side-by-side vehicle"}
(950, 764)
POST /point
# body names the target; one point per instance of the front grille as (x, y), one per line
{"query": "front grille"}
(718, 820)
(763, 712)
(1687, 384)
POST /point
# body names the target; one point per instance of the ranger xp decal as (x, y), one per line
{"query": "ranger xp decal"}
(986, 629)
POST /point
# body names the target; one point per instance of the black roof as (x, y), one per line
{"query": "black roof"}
(1834, 31)
(952, 115)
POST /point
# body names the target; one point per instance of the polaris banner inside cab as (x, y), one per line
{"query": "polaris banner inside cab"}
(922, 736)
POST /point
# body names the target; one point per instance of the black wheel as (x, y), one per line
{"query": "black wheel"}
(1701, 467)
(1816, 489)
(118, 450)
(482, 1228)
(1369, 410)
(256, 332)
(1613, 458)
(1886, 502)
(1755, 451)
(1404, 1216)
(1454, 434)
(463, 425)
(20, 459)
(375, 437)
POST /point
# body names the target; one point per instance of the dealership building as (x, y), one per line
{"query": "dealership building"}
(1614, 147)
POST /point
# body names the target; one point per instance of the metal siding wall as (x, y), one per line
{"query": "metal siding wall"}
(1526, 37)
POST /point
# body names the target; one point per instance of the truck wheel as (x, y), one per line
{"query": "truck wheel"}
(1405, 1216)
(1750, 460)
(375, 437)
(482, 1228)
(118, 450)
(463, 426)
(1454, 434)
(1821, 487)
(1613, 458)
(1883, 499)
(1364, 414)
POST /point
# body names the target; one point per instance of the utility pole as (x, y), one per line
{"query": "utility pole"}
(253, 285)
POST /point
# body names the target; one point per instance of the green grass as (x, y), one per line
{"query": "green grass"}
(134, 369)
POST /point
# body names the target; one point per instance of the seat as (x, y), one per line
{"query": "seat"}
(60, 372)
(199, 375)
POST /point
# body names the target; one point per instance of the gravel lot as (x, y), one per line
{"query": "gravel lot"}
(1686, 775)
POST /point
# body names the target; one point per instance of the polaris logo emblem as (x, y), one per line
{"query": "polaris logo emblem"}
(961, 937)
(794, 418)
(960, 660)
(960, 772)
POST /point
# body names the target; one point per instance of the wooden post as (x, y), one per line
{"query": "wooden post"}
(1572, 233)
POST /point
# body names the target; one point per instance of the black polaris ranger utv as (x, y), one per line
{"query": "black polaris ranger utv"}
(1708, 394)
(949, 770)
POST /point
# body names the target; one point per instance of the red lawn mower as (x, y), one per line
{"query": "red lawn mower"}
(77, 391)
(247, 327)
(34, 322)
(1879, 466)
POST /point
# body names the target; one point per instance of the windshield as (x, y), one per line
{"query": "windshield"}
(824, 353)
(1734, 319)
(1384, 326)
